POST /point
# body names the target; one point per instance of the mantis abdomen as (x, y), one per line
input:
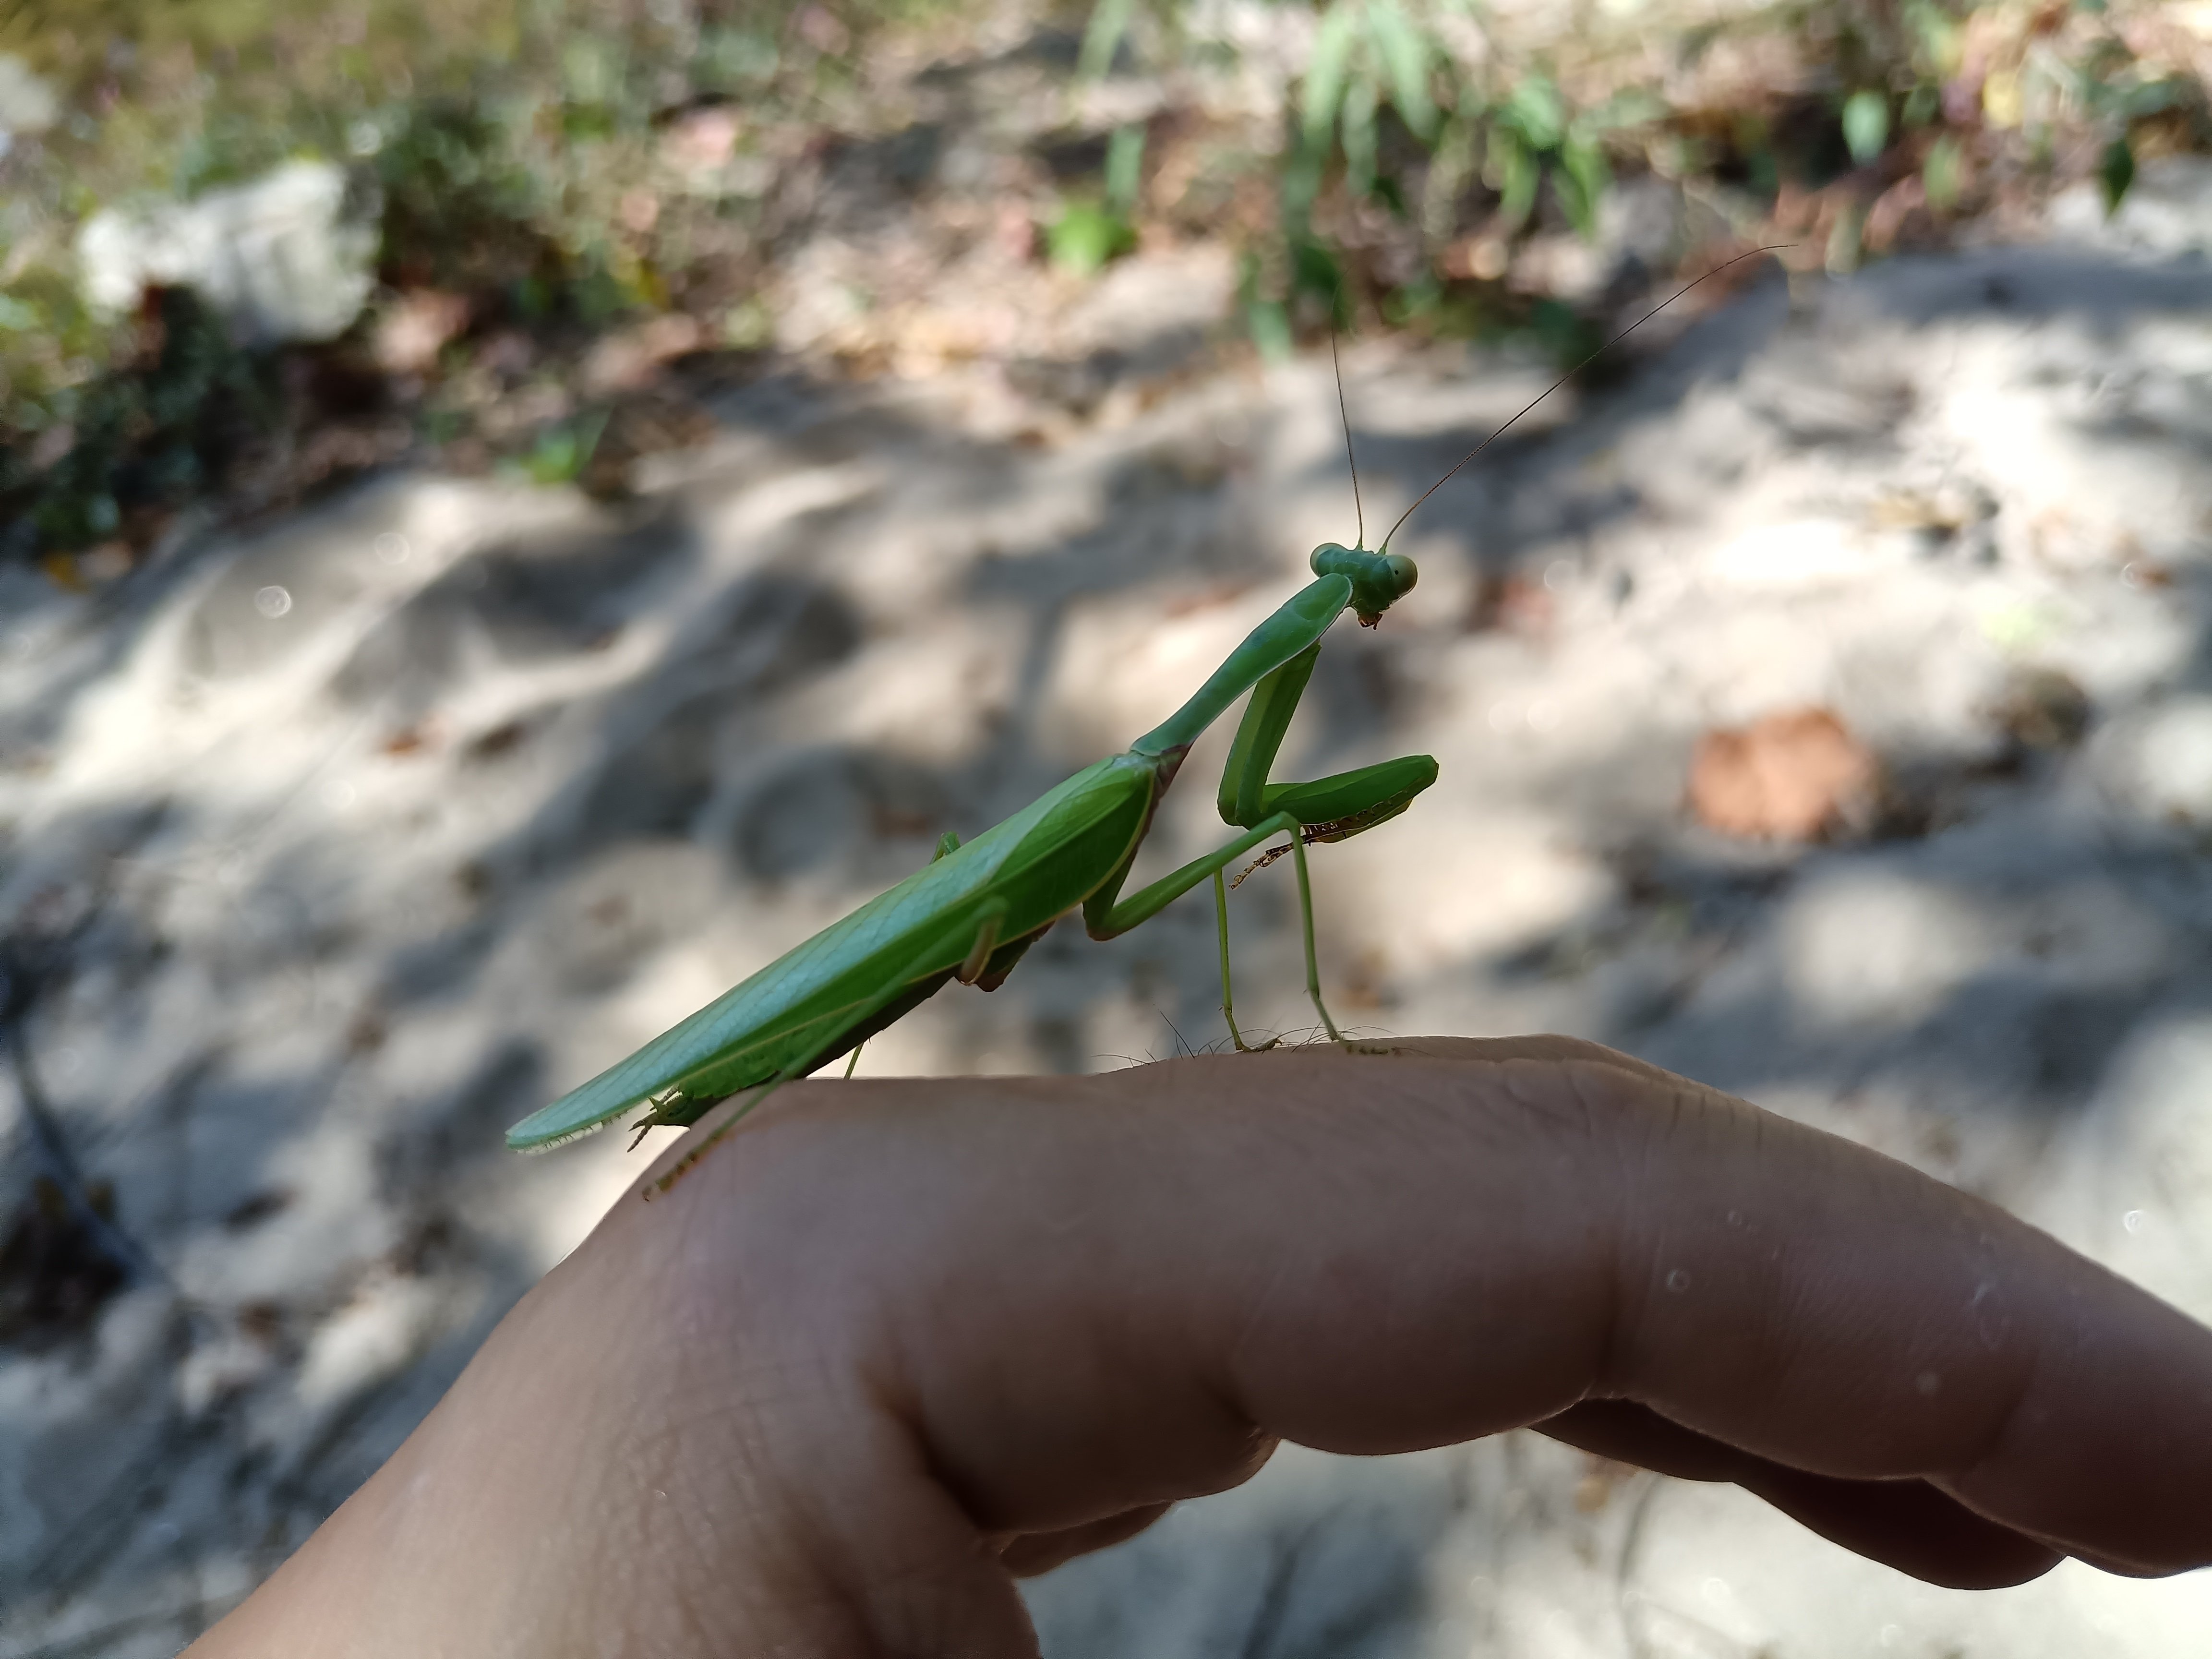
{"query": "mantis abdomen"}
(859, 974)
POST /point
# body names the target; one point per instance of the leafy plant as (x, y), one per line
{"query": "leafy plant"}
(1430, 164)
(2116, 171)
(562, 451)
(1866, 124)
(1391, 115)
(1091, 231)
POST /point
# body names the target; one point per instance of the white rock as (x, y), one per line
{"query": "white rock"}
(2166, 770)
(27, 104)
(288, 257)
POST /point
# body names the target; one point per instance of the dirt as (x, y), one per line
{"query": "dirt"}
(358, 838)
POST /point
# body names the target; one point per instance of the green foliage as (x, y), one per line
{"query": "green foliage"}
(140, 441)
(1421, 108)
(1367, 54)
(500, 136)
(520, 152)
(1387, 115)
(1090, 233)
(1087, 236)
(2116, 171)
(1125, 169)
(1102, 39)
(562, 451)
(1866, 124)
(1941, 174)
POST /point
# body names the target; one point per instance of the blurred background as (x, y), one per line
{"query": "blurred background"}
(514, 513)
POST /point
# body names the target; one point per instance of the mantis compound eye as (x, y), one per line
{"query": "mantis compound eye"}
(1401, 572)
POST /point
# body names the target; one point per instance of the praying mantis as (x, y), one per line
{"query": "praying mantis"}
(971, 913)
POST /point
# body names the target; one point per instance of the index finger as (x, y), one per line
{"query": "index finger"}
(1115, 1291)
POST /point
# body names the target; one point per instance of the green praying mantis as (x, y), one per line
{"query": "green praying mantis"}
(971, 913)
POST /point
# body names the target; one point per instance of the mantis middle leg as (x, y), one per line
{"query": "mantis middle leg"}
(1228, 996)
(1104, 919)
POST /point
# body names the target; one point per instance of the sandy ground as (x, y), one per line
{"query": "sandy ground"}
(332, 850)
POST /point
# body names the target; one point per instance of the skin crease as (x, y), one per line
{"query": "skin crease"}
(895, 1341)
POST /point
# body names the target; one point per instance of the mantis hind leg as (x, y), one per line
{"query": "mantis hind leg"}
(1228, 998)
(899, 986)
(684, 1164)
(1104, 918)
(1305, 922)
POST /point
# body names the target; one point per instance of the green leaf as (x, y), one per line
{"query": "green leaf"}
(1450, 166)
(1847, 240)
(1314, 271)
(1536, 112)
(1270, 323)
(1517, 172)
(1326, 73)
(1125, 169)
(1102, 37)
(1359, 102)
(1939, 39)
(562, 452)
(2116, 171)
(1866, 124)
(1301, 185)
(1942, 173)
(1631, 106)
(1087, 236)
(1405, 56)
(1581, 183)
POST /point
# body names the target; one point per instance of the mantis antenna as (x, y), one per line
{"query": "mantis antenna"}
(1755, 253)
(1344, 415)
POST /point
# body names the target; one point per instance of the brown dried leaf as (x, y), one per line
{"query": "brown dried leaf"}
(419, 325)
(1793, 776)
(625, 360)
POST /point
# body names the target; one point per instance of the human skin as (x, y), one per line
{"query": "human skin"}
(893, 1343)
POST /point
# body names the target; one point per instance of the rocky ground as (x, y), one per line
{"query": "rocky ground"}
(333, 848)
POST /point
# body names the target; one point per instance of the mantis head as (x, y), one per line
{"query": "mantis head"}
(1378, 579)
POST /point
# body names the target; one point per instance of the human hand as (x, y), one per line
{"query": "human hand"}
(895, 1342)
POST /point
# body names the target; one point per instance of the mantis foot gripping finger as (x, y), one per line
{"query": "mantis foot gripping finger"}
(685, 1164)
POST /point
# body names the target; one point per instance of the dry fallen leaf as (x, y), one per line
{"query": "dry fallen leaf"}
(418, 326)
(701, 140)
(625, 360)
(1791, 776)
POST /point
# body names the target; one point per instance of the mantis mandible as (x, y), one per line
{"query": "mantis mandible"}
(978, 905)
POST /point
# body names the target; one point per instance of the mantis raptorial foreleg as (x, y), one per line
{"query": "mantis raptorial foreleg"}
(1326, 808)
(1305, 918)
